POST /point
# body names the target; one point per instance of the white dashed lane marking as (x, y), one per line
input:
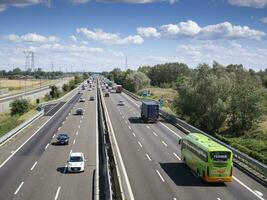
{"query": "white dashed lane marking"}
(162, 179)
(140, 144)
(34, 165)
(17, 190)
(148, 157)
(176, 156)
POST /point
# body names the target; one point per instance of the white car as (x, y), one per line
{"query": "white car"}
(76, 162)
(121, 103)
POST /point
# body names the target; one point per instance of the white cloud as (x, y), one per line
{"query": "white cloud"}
(264, 20)
(4, 4)
(216, 31)
(84, 42)
(225, 53)
(249, 3)
(148, 32)
(31, 37)
(189, 28)
(109, 38)
(59, 48)
(78, 1)
(73, 38)
(137, 1)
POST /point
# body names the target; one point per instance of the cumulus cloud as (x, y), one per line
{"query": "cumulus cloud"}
(31, 37)
(137, 1)
(109, 38)
(264, 20)
(4, 4)
(189, 28)
(223, 52)
(249, 3)
(215, 31)
(73, 38)
(148, 32)
(60, 48)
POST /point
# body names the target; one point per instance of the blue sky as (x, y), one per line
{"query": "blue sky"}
(97, 35)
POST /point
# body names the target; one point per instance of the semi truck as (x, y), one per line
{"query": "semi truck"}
(118, 89)
(150, 111)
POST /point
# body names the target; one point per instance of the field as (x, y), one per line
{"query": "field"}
(16, 86)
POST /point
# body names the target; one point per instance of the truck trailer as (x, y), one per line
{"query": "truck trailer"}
(150, 111)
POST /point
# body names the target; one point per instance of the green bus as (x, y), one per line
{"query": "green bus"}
(208, 159)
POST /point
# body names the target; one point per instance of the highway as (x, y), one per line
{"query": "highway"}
(151, 156)
(34, 167)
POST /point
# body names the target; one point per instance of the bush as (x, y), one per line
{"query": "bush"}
(19, 106)
(54, 93)
(66, 87)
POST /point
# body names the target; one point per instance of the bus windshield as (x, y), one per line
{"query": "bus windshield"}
(219, 156)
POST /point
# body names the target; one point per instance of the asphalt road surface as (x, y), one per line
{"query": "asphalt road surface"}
(151, 156)
(37, 169)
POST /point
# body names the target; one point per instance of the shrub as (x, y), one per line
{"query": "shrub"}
(19, 106)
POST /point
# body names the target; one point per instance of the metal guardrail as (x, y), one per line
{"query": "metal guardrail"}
(240, 158)
(113, 171)
(16, 130)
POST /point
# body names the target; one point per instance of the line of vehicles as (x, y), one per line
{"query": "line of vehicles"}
(76, 160)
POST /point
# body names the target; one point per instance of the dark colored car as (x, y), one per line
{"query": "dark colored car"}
(92, 98)
(106, 94)
(62, 138)
(79, 111)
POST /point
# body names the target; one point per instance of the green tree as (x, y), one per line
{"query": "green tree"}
(66, 87)
(245, 106)
(135, 81)
(54, 91)
(202, 100)
(19, 106)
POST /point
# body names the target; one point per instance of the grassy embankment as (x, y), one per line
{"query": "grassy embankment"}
(253, 143)
(8, 122)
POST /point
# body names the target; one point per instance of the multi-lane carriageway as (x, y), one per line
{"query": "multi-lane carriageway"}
(32, 167)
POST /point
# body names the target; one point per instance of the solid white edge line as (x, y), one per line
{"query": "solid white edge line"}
(162, 179)
(148, 157)
(33, 134)
(47, 146)
(34, 165)
(140, 144)
(119, 155)
(170, 130)
(97, 153)
(57, 193)
(176, 156)
(17, 190)
(248, 188)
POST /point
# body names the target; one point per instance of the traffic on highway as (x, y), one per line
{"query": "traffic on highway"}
(57, 157)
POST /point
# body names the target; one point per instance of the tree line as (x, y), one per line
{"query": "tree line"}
(217, 99)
